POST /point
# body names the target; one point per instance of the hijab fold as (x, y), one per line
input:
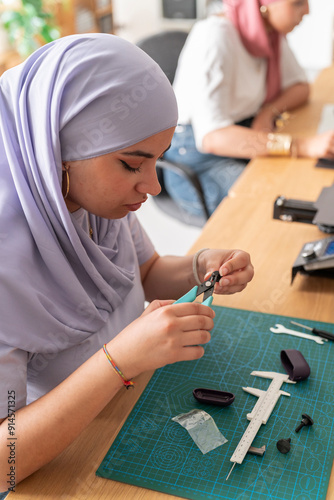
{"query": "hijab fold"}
(79, 97)
(247, 18)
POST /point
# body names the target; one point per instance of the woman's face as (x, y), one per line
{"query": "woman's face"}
(285, 15)
(115, 184)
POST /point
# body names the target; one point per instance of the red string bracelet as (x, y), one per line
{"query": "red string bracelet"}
(127, 383)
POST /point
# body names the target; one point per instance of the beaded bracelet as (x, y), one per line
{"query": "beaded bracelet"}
(127, 383)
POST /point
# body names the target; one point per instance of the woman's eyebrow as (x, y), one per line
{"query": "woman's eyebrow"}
(144, 154)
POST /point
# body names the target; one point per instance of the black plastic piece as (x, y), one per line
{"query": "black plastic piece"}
(295, 364)
(283, 445)
(294, 210)
(325, 163)
(213, 397)
(306, 420)
(320, 212)
(257, 451)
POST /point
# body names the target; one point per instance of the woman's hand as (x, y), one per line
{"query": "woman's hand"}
(234, 266)
(264, 121)
(318, 146)
(165, 333)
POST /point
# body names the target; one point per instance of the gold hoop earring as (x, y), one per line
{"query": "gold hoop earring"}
(264, 11)
(67, 176)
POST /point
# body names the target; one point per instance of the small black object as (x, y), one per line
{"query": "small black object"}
(316, 258)
(208, 285)
(294, 210)
(307, 420)
(295, 364)
(325, 163)
(320, 212)
(283, 445)
(257, 451)
(213, 397)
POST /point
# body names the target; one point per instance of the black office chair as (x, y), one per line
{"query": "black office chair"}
(165, 48)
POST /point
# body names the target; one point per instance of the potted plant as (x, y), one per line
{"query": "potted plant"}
(28, 24)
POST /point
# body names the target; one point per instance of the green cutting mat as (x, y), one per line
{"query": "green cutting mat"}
(154, 452)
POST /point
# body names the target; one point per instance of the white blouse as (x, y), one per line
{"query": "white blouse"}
(218, 82)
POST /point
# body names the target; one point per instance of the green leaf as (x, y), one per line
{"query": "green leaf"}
(24, 24)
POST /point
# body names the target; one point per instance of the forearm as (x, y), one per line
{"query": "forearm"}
(169, 277)
(290, 98)
(46, 427)
(242, 142)
(236, 142)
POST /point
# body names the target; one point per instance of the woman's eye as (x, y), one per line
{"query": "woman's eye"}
(129, 168)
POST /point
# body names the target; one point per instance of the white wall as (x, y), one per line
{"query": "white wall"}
(139, 18)
(135, 19)
(312, 40)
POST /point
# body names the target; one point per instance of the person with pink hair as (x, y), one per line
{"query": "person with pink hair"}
(235, 79)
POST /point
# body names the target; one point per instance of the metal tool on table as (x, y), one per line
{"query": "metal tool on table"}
(206, 288)
(316, 258)
(281, 329)
(321, 333)
(260, 413)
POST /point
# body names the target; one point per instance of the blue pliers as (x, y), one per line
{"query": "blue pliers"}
(206, 288)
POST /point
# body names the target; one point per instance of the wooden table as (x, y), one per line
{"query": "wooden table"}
(243, 220)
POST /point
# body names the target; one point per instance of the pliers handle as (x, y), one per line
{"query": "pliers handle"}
(206, 288)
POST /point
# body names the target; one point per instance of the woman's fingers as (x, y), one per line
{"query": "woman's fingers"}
(235, 281)
(238, 260)
(188, 324)
(192, 309)
(156, 304)
(195, 337)
(192, 352)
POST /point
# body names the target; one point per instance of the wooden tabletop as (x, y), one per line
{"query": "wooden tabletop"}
(273, 246)
(243, 220)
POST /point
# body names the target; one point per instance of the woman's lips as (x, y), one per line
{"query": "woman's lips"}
(135, 206)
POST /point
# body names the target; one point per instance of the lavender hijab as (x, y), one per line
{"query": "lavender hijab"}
(79, 97)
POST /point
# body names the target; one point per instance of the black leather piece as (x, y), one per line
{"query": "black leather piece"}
(295, 364)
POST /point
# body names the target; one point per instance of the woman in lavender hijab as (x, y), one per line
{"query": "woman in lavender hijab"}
(82, 123)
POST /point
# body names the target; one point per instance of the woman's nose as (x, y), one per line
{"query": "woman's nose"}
(150, 184)
(306, 9)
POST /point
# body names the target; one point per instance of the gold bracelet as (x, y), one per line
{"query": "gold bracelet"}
(279, 144)
(280, 118)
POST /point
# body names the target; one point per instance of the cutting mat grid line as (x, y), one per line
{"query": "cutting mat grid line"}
(154, 452)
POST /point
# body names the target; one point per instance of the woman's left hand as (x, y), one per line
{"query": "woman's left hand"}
(264, 121)
(234, 266)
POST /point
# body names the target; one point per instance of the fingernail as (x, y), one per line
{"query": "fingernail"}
(224, 271)
(224, 282)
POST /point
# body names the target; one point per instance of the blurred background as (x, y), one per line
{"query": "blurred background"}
(27, 24)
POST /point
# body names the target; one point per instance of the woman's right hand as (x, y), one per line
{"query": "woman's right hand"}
(165, 333)
(317, 146)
